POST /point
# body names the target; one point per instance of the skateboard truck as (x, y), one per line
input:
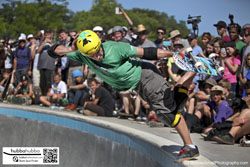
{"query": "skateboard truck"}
(220, 69)
(197, 64)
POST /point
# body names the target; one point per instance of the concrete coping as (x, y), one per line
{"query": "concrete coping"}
(152, 139)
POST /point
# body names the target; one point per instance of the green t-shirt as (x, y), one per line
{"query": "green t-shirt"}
(117, 68)
(239, 46)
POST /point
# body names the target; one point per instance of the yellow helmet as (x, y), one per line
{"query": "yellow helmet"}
(88, 42)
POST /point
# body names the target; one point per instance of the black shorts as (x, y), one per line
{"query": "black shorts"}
(154, 89)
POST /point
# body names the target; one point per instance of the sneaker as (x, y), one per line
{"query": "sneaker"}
(80, 111)
(52, 107)
(61, 108)
(244, 142)
(67, 107)
(71, 107)
(224, 139)
(138, 118)
(187, 153)
(144, 119)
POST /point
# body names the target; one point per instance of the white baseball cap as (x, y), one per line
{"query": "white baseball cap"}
(30, 36)
(97, 28)
(21, 38)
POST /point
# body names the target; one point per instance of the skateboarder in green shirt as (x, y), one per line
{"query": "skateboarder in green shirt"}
(114, 63)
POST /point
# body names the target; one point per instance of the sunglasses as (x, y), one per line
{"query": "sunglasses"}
(162, 33)
(98, 31)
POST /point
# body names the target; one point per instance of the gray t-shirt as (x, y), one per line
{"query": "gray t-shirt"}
(45, 61)
(148, 44)
(185, 43)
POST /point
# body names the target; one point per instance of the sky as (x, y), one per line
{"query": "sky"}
(211, 11)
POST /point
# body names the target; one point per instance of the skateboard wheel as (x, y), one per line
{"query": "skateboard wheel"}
(221, 69)
(212, 55)
(198, 64)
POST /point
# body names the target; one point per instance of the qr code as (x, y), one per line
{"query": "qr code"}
(50, 155)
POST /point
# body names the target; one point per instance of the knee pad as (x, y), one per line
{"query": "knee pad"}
(180, 93)
(181, 97)
(169, 119)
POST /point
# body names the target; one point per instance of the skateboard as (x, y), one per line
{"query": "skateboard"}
(188, 62)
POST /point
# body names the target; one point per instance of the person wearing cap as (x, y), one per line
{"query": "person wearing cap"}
(98, 30)
(126, 33)
(117, 33)
(114, 63)
(240, 126)
(22, 63)
(143, 40)
(245, 52)
(77, 91)
(221, 27)
(193, 41)
(175, 35)
(32, 44)
(216, 110)
(23, 92)
(234, 33)
(231, 63)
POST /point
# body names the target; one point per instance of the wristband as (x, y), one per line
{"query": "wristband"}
(51, 51)
(150, 53)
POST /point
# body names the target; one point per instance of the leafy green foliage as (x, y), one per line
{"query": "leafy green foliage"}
(27, 17)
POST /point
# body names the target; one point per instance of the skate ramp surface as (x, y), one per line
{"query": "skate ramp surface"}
(84, 141)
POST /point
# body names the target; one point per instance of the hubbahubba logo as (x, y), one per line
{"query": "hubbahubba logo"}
(25, 151)
(30, 155)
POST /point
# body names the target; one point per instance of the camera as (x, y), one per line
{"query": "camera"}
(193, 19)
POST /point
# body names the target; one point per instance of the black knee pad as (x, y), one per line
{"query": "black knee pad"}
(169, 119)
(180, 97)
(180, 94)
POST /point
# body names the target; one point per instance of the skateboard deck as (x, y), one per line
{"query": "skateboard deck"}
(204, 65)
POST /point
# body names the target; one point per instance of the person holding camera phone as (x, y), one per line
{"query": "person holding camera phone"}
(46, 64)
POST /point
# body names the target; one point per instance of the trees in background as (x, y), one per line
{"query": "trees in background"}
(29, 16)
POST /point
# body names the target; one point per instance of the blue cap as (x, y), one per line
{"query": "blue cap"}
(77, 73)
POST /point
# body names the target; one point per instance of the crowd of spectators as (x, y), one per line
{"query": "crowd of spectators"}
(217, 107)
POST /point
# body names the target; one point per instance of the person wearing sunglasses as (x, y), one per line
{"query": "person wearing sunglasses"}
(160, 36)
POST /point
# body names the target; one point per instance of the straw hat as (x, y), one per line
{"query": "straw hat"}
(174, 33)
(141, 29)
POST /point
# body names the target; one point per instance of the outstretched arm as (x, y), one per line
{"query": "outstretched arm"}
(153, 53)
(57, 50)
